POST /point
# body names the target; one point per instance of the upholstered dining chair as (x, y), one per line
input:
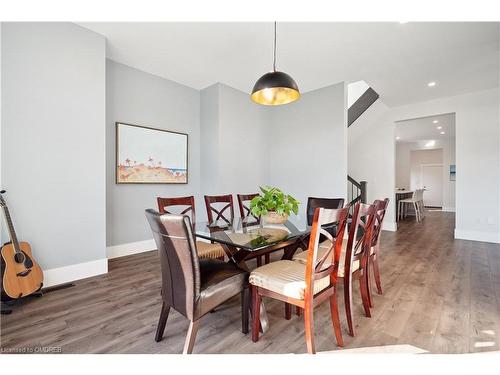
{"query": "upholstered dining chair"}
(304, 285)
(211, 201)
(186, 206)
(373, 266)
(192, 286)
(354, 257)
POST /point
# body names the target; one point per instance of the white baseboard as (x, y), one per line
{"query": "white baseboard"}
(130, 248)
(66, 274)
(390, 226)
(493, 237)
(448, 209)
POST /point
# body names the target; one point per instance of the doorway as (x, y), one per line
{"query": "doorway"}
(432, 183)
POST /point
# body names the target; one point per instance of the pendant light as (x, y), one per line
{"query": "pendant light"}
(275, 88)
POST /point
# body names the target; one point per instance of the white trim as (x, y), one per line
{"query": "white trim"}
(448, 209)
(471, 235)
(130, 248)
(61, 275)
(390, 226)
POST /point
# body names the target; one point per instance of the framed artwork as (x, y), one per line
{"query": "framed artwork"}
(150, 156)
(453, 172)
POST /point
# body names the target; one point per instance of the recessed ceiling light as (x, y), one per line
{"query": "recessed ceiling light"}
(442, 133)
(439, 127)
(435, 121)
(398, 138)
(431, 84)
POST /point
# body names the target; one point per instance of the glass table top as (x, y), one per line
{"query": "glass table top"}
(251, 234)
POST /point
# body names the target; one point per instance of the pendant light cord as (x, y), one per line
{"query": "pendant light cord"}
(274, 55)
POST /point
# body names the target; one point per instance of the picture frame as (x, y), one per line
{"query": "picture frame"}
(146, 155)
(453, 172)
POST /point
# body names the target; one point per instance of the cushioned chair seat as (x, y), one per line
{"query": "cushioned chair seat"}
(285, 277)
(322, 249)
(219, 281)
(207, 250)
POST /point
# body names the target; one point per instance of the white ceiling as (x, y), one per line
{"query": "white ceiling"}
(397, 60)
(424, 129)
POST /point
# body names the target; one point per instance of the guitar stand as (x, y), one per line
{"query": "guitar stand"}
(5, 310)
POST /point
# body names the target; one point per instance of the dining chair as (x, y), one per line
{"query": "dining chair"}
(421, 203)
(314, 202)
(380, 210)
(215, 205)
(304, 285)
(190, 285)
(414, 201)
(186, 206)
(245, 213)
(354, 257)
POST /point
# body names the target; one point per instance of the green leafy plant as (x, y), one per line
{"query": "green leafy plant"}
(273, 200)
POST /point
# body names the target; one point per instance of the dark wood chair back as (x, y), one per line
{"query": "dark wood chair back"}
(313, 203)
(380, 210)
(180, 267)
(186, 206)
(360, 236)
(220, 213)
(245, 209)
(315, 268)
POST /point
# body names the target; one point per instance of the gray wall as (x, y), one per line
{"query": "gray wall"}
(300, 147)
(53, 149)
(307, 143)
(233, 148)
(136, 97)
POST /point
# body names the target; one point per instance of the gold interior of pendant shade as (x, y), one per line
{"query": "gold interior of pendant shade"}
(275, 95)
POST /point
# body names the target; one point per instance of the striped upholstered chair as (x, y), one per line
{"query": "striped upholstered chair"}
(304, 285)
(354, 257)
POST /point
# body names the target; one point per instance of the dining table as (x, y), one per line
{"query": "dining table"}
(248, 238)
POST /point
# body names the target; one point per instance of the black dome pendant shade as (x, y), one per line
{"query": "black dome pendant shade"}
(275, 88)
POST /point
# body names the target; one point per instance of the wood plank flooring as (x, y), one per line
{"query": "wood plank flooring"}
(440, 294)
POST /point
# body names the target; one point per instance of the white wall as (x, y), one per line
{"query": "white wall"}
(53, 144)
(371, 151)
(140, 98)
(306, 141)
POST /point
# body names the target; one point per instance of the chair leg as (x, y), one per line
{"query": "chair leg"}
(334, 309)
(364, 295)
(162, 322)
(368, 283)
(298, 311)
(417, 211)
(288, 311)
(348, 304)
(376, 275)
(245, 309)
(255, 314)
(309, 328)
(191, 336)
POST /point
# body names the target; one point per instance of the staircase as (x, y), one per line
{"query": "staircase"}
(364, 98)
(356, 191)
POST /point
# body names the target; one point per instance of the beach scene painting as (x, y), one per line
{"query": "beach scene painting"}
(150, 156)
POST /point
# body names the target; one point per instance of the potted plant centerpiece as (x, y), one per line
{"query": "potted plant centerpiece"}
(273, 205)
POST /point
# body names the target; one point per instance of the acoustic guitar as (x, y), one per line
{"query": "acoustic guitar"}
(21, 275)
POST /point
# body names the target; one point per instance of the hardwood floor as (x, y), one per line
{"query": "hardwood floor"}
(440, 294)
